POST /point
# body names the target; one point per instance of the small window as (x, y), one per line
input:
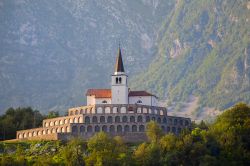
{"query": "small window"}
(139, 101)
(116, 80)
(104, 101)
(120, 80)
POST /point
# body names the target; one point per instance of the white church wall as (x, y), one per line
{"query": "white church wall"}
(145, 100)
(102, 101)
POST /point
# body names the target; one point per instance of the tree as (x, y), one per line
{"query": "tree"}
(153, 131)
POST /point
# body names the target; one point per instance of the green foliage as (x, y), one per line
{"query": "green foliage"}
(18, 119)
(226, 141)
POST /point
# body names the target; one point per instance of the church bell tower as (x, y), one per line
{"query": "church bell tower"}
(119, 84)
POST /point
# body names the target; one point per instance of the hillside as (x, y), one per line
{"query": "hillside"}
(203, 51)
(52, 51)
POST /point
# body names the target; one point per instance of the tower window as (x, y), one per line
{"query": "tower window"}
(116, 80)
(120, 80)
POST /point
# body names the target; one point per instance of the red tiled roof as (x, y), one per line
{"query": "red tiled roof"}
(99, 93)
(139, 93)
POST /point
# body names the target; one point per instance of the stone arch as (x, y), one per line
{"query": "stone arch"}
(147, 119)
(132, 119)
(75, 120)
(173, 129)
(46, 124)
(65, 121)
(102, 119)
(175, 122)
(67, 129)
(107, 110)
(53, 130)
(181, 122)
(104, 128)
(74, 129)
(124, 119)
(168, 129)
(77, 112)
(61, 122)
(80, 119)
(24, 135)
(117, 119)
(97, 128)
(112, 128)
(99, 110)
(48, 131)
(94, 119)
(159, 120)
(63, 130)
(141, 128)
(58, 130)
(34, 133)
(71, 120)
(87, 119)
(51, 123)
(44, 132)
(139, 118)
(134, 128)
(110, 119)
(39, 132)
(115, 110)
(20, 136)
(119, 128)
(123, 110)
(164, 120)
(82, 129)
(89, 129)
(126, 128)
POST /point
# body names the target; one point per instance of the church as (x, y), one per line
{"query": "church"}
(117, 111)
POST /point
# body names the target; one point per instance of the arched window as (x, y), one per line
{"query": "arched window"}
(87, 119)
(117, 119)
(104, 102)
(104, 128)
(120, 80)
(119, 128)
(107, 110)
(116, 80)
(175, 121)
(159, 120)
(110, 119)
(102, 119)
(173, 129)
(77, 112)
(89, 129)
(134, 128)
(94, 119)
(126, 128)
(139, 119)
(147, 118)
(165, 120)
(139, 101)
(141, 128)
(124, 119)
(112, 129)
(82, 129)
(74, 129)
(132, 119)
(97, 128)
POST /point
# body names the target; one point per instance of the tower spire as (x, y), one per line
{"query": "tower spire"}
(119, 63)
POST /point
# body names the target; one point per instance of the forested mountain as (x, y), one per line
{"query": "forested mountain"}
(52, 51)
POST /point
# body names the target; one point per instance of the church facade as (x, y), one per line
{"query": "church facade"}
(116, 111)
